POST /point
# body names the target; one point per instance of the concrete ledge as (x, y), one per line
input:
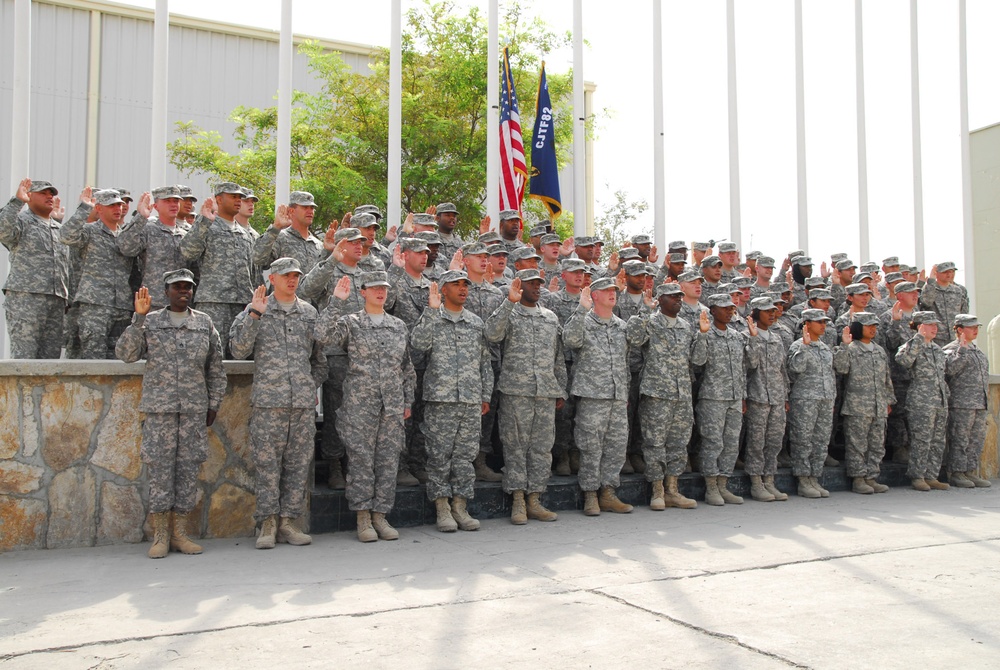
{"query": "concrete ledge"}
(94, 368)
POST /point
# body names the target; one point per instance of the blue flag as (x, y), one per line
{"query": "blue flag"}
(544, 171)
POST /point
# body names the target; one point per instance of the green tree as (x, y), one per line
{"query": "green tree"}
(612, 224)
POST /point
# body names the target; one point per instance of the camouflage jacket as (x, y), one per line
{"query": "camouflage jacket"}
(564, 305)
(867, 383)
(810, 371)
(967, 371)
(730, 354)
(926, 362)
(224, 258)
(946, 302)
(104, 270)
(531, 350)
(600, 354)
(287, 242)
(670, 350)
(39, 263)
(457, 358)
(158, 248)
(768, 382)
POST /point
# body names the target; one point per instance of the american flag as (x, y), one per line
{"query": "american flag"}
(513, 168)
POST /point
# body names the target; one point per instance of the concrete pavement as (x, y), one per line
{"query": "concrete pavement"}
(892, 580)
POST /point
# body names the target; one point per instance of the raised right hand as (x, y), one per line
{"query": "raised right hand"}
(208, 209)
(23, 189)
(484, 225)
(806, 337)
(845, 335)
(897, 311)
(514, 292)
(282, 219)
(433, 296)
(585, 300)
(457, 261)
(259, 301)
(330, 238)
(408, 223)
(145, 206)
(142, 301)
(343, 288)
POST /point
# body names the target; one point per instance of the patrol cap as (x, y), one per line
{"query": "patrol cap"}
(753, 255)
(700, 246)
(890, 261)
(125, 194)
(814, 282)
(893, 277)
(720, 300)
(836, 258)
(572, 265)
(284, 266)
(523, 254)
(743, 282)
(528, 275)
(906, 287)
(802, 260)
(678, 258)
(497, 250)
(869, 267)
(845, 264)
(763, 303)
(509, 214)
(726, 247)
(474, 249)
(188, 194)
(538, 231)
(628, 254)
(446, 208)
(856, 289)
(602, 284)
(925, 318)
(174, 276)
(583, 241)
(947, 265)
(677, 245)
(668, 289)
(247, 195)
(966, 320)
(765, 262)
(413, 244)
(39, 186)
(431, 237)
(634, 268)
(729, 288)
(820, 294)
(781, 287)
(814, 315)
(373, 278)
(368, 209)
(865, 318)
(349, 234)
(797, 252)
(641, 238)
(690, 275)
(709, 261)
(588, 269)
(862, 275)
(453, 276)
(908, 268)
(107, 197)
(228, 187)
(166, 192)
(304, 198)
(490, 237)
(549, 238)
(363, 220)
(776, 298)
(422, 219)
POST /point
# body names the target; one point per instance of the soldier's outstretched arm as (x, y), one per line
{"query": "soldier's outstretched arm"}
(75, 232)
(196, 241)
(10, 226)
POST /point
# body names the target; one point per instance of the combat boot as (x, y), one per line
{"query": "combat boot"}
(590, 505)
(728, 496)
(365, 531)
(485, 473)
(268, 531)
(978, 481)
(758, 491)
(404, 478)
(919, 484)
(561, 467)
(806, 489)
(179, 540)
(959, 480)
(627, 467)
(901, 455)
(675, 498)
(336, 479)
(656, 501)
(609, 502)
(819, 487)
(537, 511)
(935, 484)
(289, 533)
(638, 463)
(861, 486)
(518, 514)
(831, 462)
(784, 458)
(445, 521)
(461, 514)
(712, 494)
(878, 488)
(382, 527)
(161, 535)
(574, 460)
(774, 490)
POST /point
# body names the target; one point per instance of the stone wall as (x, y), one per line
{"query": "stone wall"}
(70, 471)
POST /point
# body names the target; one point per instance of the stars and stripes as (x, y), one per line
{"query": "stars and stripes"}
(513, 168)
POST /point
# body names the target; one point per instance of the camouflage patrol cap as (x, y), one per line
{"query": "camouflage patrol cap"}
(425, 220)
(303, 198)
(446, 208)
(641, 238)
(628, 254)
(167, 192)
(125, 194)
(668, 289)
(228, 187)
(572, 265)
(763, 303)
(906, 287)
(431, 237)
(966, 320)
(490, 237)
(797, 252)
(497, 250)
(528, 275)
(677, 245)
(523, 254)
(174, 276)
(869, 267)
(413, 244)
(248, 195)
(781, 287)
(678, 258)
(634, 268)
(765, 262)
(729, 288)
(890, 261)
(857, 289)
(549, 238)
(753, 255)
(38, 186)
(776, 298)
(720, 300)
(814, 315)
(726, 247)
(349, 234)
(865, 318)
(845, 264)
(509, 214)
(373, 278)
(862, 275)
(603, 284)
(364, 220)
(452, 276)
(709, 261)
(285, 265)
(926, 319)
(814, 282)
(538, 231)
(893, 277)
(820, 294)
(690, 275)
(584, 241)
(947, 265)
(107, 197)
(475, 249)
(802, 260)
(840, 256)
(187, 193)
(368, 209)
(701, 246)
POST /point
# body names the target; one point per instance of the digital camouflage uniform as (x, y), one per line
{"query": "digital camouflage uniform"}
(692, 314)
(625, 308)
(968, 373)
(947, 302)
(37, 286)
(867, 396)
(184, 379)
(158, 249)
(289, 365)
(532, 378)
(457, 380)
(927, 405)
(891, 336)
(767, 392)
(810, 398)
(484, 299)
(288, 243)
(564, 304)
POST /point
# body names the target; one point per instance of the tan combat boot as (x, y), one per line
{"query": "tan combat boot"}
(289, 533)
(404, 478)
(960, 481)
(861, 486)
(878, 488)
(268, 531)
(382, 527)
(336, 479)
(561, 465)
(712, 494)
(806, 489)
(656, 501)
(728, 496)
(485, 473)
(774, 490)
(161, 535)
(901, 455)
(590, 505)
(919, 484)
(518, 514)
(758, 491)
(609, 502)
(445, 521)
(935, 484)
(179, 540)
(675, 498)
(819, 487)
(638, 463)
(365, 531)
(978, 481)
(537, 511)
(461, 514)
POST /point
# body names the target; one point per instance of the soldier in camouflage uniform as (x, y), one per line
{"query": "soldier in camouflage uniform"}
(433, 271)
(811, 398)
(289, 236)
(669, 347)
(446, 215)
(802, 268)
(691, 284)
(222, 248)
(729, 254)
(248, 204)
(587, 251)
(373, 255)
(601, 388)
(765, 270)
(532, 387)
(868, 396)
(630, 303)
(926, 400)
(498, 256)
(178, 407)
(378, 395)
(103, 292)
(711, 272)
(282, 333)
(37, 286)
(510, 230)
(549, 245)
(458, 384)
(893, 332)
(968, 373)
(945, 298)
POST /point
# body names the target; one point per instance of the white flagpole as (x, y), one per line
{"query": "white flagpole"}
(735, 225)
(158, 128)
(859, 80)
(918, 178)
(493, 116)
(659, 197)
(393, 205)
(800, 132)
(579, 126)
(283, 170)
(969, 268)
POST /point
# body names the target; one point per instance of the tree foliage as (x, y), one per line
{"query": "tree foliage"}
(612, 225)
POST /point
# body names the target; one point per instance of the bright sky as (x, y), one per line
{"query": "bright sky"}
(697, 173)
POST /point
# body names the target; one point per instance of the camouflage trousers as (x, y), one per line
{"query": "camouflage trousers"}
(564, 420)
(719, 422)
(71, 331)
(898, 426)
(281, 449)
(666, 429)
(415, 455)
(809, 423)
(100, 327)
(527, 431)
(966, 436)
(601, 435)
(864, 445)
(489, 419)
(173, 448)
(765, 431)
(34, 324)
(374, 441)
(928, 435)
(223, 314)
(331, 445)
(451, 431)
(634, 418)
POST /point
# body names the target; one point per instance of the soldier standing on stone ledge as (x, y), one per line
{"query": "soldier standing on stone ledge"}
(178, 407)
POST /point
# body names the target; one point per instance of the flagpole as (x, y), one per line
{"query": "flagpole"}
(800, 133)
(493, 116)
(579, 127)
(158, 124)
(395, 178)
(735, 225)
(967, 224)
(859, 78)
(659, 198)
(918, 175)
(283, 167)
